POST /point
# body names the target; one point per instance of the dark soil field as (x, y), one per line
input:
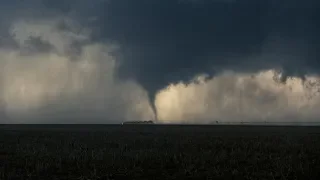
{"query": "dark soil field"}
(159, 152)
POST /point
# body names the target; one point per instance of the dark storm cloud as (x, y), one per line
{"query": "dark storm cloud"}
(171, 40)
(167, 41)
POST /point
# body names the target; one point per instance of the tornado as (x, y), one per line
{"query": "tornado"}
(151, 98)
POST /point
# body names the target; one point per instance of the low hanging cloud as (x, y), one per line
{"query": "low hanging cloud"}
(241, 98)
(43, 81)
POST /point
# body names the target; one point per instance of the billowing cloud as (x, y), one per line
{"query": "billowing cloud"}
(241, 98)
(41, 82)
(119, 59)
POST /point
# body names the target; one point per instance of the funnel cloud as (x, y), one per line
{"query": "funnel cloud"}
(172, 61)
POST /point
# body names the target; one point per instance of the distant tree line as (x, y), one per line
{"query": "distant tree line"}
(138, 122)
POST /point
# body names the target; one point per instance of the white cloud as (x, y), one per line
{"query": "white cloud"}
(53, 85)
(236, 97)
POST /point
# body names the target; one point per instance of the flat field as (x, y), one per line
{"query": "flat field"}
(158, 152)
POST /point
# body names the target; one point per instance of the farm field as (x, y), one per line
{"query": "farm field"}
(159, 152)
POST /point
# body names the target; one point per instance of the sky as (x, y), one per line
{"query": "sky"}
(172, 61)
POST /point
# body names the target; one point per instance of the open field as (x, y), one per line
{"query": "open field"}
(159, 152)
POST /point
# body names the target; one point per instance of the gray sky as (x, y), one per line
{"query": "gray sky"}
(115, 60)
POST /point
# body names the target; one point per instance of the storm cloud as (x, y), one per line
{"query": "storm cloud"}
(150, 50)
